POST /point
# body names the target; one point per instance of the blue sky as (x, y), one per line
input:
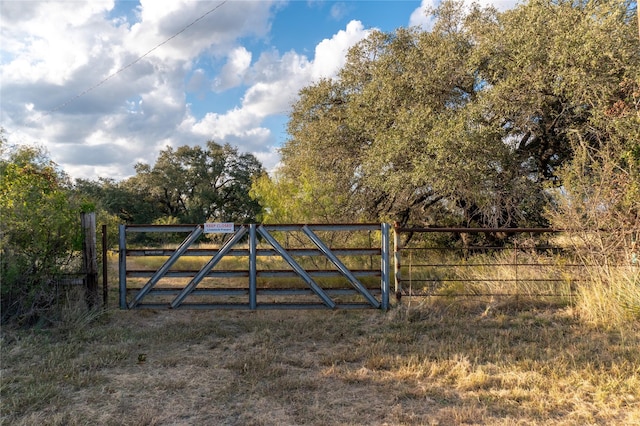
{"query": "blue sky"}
(230, 77)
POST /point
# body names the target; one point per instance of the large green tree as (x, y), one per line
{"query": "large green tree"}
(551, 68)
(198, 184)
(468, 123)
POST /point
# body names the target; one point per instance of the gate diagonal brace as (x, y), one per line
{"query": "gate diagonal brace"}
(297, 268)
(208, 267)
(191, 238)
(341, 266)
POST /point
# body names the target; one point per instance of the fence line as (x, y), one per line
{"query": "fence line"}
(506, 267)
(467, 262)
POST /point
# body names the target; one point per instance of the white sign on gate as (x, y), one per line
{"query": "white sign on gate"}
(218, 228)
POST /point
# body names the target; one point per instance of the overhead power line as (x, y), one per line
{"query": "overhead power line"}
(135, 61)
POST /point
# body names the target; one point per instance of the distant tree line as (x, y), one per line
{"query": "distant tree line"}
(185, 185)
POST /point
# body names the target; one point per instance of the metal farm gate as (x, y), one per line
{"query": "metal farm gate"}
(227, 266)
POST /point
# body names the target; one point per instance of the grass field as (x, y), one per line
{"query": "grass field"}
(446, 363)
(439, 361)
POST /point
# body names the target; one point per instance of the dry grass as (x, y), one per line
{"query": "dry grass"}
(456, 363)
(611, 297)
(443, 362)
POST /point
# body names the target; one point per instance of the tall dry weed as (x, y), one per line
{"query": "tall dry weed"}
(611, 296)
(599, 204)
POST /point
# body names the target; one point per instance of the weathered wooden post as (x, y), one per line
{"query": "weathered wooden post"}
(90, 258)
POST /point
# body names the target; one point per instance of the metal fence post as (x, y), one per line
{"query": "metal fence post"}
(385, 266)
(253, 304)
(397, 262)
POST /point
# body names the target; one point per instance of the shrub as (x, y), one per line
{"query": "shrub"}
(38, 232)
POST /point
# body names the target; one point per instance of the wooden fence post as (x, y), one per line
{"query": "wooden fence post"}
(105, 281)
(90, 258)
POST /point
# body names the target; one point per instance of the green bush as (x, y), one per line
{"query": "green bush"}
(39, 231)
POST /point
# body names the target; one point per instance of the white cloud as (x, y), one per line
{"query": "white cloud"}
(420, 17)
(219, 126)
(219, 25)
(234, 70)
(49, 41)
(330, 54)
(276, 81)
(338, 10)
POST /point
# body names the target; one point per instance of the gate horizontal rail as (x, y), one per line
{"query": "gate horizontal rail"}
(259, 252)
(259, 274)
